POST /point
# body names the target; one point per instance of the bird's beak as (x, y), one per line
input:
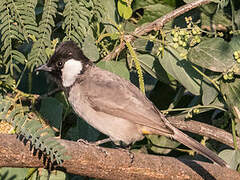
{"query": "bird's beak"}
(43, 67)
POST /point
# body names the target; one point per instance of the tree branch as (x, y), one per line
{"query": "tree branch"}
(155, 25)
(105, 163)
(204, 130)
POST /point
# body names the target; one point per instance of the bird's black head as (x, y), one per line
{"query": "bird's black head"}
(66, 63)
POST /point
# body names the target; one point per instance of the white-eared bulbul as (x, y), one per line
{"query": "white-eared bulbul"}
(111, 104)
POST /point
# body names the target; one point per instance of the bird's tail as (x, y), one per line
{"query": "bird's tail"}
(193, 144)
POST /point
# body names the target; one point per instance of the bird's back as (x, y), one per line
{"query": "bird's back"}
(118, 97)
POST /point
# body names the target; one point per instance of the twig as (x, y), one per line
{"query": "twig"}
(204, 130)
(155, 25)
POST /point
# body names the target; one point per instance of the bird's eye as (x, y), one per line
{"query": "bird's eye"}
(59, 64)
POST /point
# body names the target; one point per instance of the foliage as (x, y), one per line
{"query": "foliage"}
(26, 125)
(197, 52)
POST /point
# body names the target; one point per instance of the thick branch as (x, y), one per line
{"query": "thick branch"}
(204, 130)
(155, 25)
(105, 163)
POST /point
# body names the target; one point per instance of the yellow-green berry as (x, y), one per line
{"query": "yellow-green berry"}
(175, 45)
(197, 39)
(225, 76)
(180, 42)
(161, 48)
(192, 42)
(184, 44)
(236, 54)
(220, 34)
(194, 31)
(189, 26)
(196, 111)
(230, 75)
(175, 39)
(182, 32)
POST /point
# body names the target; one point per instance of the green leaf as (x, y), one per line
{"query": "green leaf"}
(235, 43)
(54, 175)
(218, 101)
(52, 110)
(231, 91)
(162, 144)
(117, 67)
(109, 14)
(13, 173)
(124, 10)
(209, 93)
(90, 49)
(140, 3)
(214, 54)
(181, 70)
(211, 15)
(232, 157)
(128, 13)
(153, 67)
(142, 44)
(152, 9)
(82, 131)
(18, 56)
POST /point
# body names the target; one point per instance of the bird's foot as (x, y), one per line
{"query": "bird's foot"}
(96, 144)
(127, 149)
(130, 154)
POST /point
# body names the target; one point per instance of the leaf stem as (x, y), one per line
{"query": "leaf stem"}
(20, 78)
(177, 98)
(209, 79)
(234, 135)
(233, 15)
(194, 107)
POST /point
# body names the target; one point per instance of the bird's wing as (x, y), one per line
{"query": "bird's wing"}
(114, 95)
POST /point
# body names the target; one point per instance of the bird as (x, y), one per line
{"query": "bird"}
(110, 103)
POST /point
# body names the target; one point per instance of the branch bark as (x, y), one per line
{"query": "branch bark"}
(204, 130)
(155, 25)
(105, 163)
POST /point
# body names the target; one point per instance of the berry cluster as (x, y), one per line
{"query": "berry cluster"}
(228, 76)
(189, 36)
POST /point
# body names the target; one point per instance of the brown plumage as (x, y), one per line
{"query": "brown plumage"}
(110, 103)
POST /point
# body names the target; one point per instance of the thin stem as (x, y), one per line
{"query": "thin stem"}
(234, 135)
(177, 98)
(20, 78)
(194, 107)
(233, 15)
(212, 81)
(209, 79)
(30, 81)
(30, 172)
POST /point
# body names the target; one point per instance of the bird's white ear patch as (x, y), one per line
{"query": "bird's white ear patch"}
(70, 71)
